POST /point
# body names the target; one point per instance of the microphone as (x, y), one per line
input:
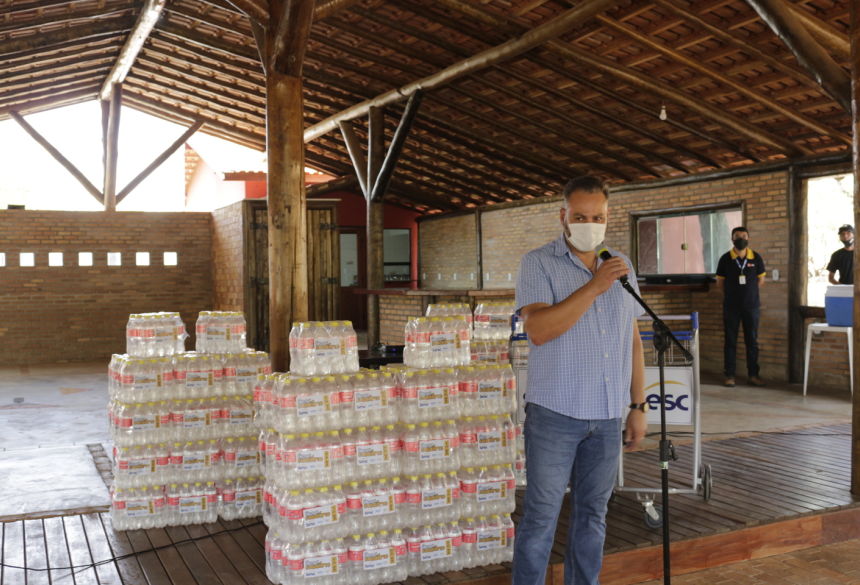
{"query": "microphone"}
(605, 255)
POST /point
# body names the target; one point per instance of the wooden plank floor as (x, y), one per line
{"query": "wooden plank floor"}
(758, 479)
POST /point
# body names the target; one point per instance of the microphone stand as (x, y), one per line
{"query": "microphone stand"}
(663, 338)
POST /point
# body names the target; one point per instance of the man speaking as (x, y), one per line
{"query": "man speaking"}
(586, 374)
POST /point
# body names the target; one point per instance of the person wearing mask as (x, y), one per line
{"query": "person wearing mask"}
(842, 261)
(586, 372)
(740, 275)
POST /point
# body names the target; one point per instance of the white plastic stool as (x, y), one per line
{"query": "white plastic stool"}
(821, 327)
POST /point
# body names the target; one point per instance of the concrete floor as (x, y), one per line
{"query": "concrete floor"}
(47, 409)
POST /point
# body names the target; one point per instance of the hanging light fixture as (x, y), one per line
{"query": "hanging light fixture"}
(663, 114)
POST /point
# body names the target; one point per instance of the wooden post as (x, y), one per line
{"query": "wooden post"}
(283, 57)
(375, 222)
(855, 125)
(110, 132)
(797, 280)
(288, 268)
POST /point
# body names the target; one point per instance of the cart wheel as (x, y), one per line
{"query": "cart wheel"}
(652, 515)
(707, 482)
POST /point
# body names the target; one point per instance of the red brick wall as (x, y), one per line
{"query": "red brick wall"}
(228, 263)
(77, 313)
(447, 256)
(510, 232)
(394, 312)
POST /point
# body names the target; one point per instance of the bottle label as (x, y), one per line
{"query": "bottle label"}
(140, 466)
(468, 437)
(434, 449)
(470, 537)
(321, 566)
(194, 461)
(372, 454)
(197, 379)
(377, 505)
(353, 502)
(313, 459)
(370, 399)
(228, 496)
(469, 487)
(442, 341)
(240, 416)
(379, 558)
(191, 504)
(195, 419)
(145, 382)
(436, 549)
(138, 508)
(436, 498)
(493, 538)
(143, 422)
(433, 397)
(328, 347)
(312, 404)
(491, 440)
(489, 390)
(355, 555)
(492, 490)
(246, 374)
(246, 458)
(247, 498)
(216, 332)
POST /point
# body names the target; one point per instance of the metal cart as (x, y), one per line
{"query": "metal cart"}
(682, 410)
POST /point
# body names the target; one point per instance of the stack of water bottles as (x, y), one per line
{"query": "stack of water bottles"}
(374, 476)
(323, 348)
(155, 334)
(185, 445)
(492, 320)
(221, 332)
(434, 342)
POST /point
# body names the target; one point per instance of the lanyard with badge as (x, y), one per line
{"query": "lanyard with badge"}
(742, 279)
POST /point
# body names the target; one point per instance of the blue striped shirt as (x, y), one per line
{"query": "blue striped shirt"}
(585, 372)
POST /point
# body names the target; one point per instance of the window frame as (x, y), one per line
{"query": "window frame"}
(636, 216)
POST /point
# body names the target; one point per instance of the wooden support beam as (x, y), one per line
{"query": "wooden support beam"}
(386, 169)
(784, 23)
(255, 10)
(290, 39)
(855, 160)
(672, 95)
(176, 31)
(529, 40)
(347, 183)
(375, 220)
(111, 110)
(159, 160)
(739, 87)
(58, 156)
(80, 34)
(829, 38)
(359, 163)
(149, 15)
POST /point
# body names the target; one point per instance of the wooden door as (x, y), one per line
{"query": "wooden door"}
(353, 273)
(323, 267)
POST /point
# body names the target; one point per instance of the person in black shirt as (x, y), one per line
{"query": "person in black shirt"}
(842, 261)
(740, 274)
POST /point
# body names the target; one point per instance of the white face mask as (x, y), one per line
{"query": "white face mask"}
(585, 237)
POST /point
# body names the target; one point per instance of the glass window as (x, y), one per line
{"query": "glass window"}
(171, 258)
(27, 259)
(141, 258)
(397, 251)
(85, 258)
(114, 258)
(55, 258)
(2, 258)
(684, 242)
(349, 259)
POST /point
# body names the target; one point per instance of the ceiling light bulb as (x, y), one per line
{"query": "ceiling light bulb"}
(663, 115)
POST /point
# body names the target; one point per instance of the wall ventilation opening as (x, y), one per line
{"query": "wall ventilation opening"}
(27, 259)
(114, 258)
(55, 258)
(171, 258)
(85, 258)
(141, 258)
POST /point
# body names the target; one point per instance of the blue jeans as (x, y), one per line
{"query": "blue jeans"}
(562, 450)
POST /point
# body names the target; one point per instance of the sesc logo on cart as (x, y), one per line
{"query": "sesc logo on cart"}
(679, 395)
